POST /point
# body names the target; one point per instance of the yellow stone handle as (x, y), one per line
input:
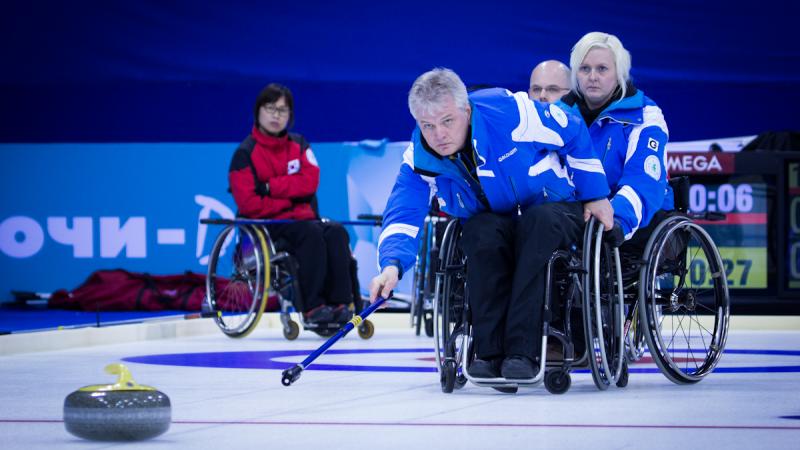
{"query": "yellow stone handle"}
(124, 382)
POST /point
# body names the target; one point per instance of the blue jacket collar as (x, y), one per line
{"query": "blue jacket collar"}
(628, 109)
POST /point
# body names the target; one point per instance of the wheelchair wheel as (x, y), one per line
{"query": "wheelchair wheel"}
(622, 381)
(420, 277)
(557, 381)
(428, 318)
(238, 279)
(448, 376)
(686, 305)
(603, 303)
(449, 302)
(366, 330)
(292, 332)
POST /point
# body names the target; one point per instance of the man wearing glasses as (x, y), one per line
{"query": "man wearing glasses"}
(549, 81)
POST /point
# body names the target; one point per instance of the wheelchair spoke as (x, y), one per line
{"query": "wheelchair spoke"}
(704, 307)
(700, 325)
(688, 340)
(702, 335)
(672, 339)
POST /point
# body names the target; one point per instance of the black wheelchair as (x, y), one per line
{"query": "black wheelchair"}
(601, 308)
(568, 291)
(246, 268)
(424, 276)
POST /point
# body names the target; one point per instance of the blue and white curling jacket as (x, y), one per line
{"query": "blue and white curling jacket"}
(630, 136)
(527, 153)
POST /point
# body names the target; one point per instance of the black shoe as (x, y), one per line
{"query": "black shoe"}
(505, 389)
(320, 314)
(342, 314)
(518, 367)
(482, 368)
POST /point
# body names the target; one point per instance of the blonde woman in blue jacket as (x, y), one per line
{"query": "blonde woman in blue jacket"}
(627, 128)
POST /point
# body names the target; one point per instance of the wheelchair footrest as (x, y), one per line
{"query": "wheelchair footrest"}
(505, 382)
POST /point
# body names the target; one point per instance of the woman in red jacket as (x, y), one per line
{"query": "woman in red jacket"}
(274, 175)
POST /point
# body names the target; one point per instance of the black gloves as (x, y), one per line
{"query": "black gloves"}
(262, 189)
(614, 237)
(306, 199)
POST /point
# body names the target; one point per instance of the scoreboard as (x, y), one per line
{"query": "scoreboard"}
(743, 235)
(759, 240)
(791, 267)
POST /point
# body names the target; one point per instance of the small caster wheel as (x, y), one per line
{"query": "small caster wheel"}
(448, 376)
(623, 376)
(428, 325)
(292, 331)
(366, 329)
(557, 381)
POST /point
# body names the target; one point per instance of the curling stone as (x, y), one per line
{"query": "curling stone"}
(124, 411)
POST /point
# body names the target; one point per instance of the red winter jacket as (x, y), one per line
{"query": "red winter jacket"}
(287, 164)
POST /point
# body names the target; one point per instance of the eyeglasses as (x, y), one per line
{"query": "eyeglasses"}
(280, 112)
(552, 89)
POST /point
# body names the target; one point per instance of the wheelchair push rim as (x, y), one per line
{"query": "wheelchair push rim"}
(603, 314)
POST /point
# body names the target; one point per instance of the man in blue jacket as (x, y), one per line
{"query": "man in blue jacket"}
(523, 177)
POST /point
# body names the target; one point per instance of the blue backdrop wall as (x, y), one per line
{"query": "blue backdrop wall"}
(90, 71)
(119, 118)
(67, 211)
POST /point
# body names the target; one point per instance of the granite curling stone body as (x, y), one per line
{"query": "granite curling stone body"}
(124, 411)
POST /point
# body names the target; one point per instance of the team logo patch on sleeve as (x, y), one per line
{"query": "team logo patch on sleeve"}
(559, 115)
(652, 167)
(652, 144)
(310, 157)
(293, 167)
